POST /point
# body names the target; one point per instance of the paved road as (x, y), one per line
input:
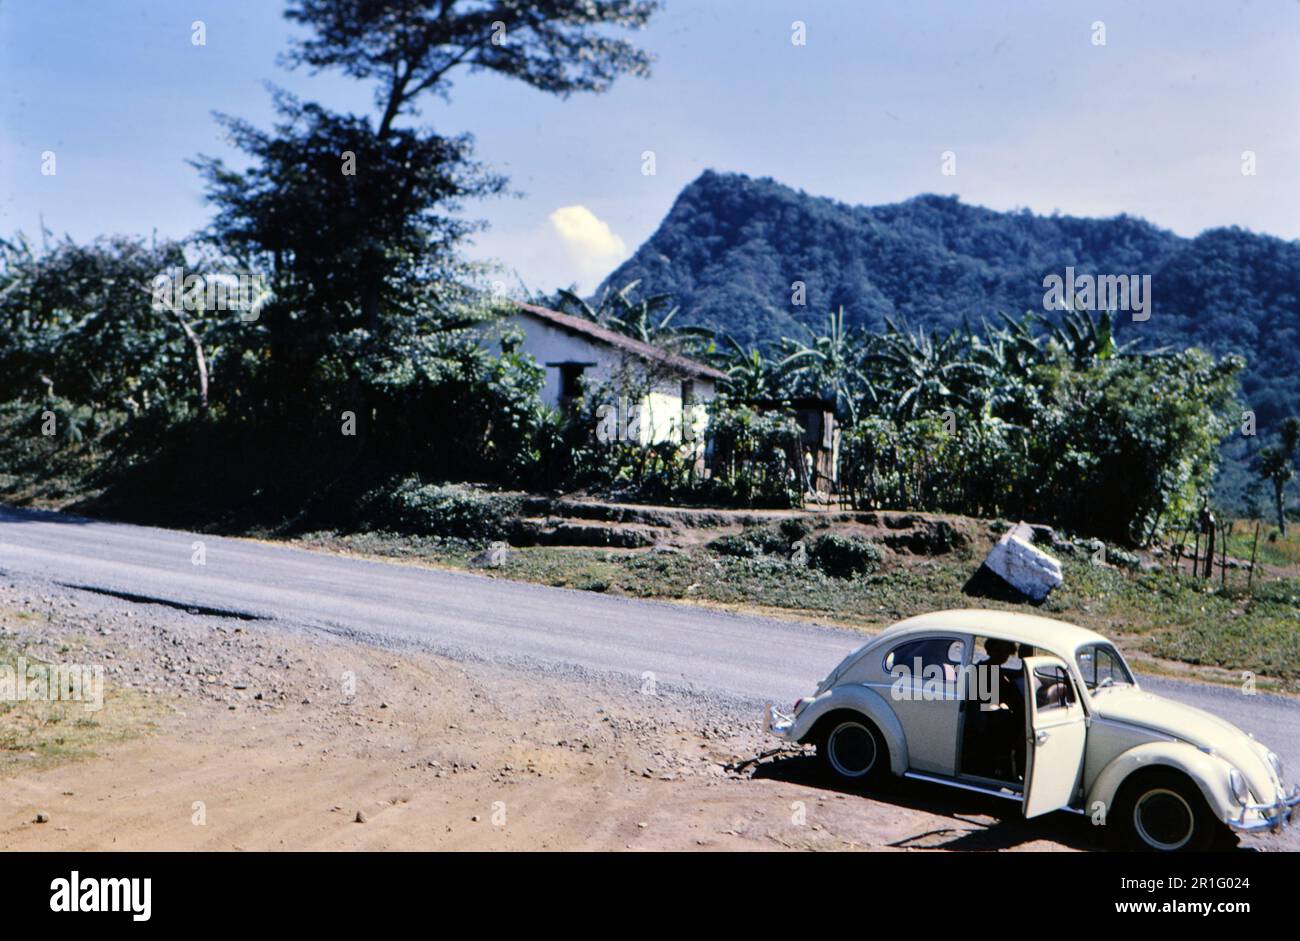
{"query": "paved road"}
(744, 657)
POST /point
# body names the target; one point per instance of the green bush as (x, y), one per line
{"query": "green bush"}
(1123, 558)
(754, 457)
(844, 556)
(1113, 447)
(449, 512)
(752, 543)
(795, 529)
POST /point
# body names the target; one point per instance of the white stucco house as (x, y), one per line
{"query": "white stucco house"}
(576, 351)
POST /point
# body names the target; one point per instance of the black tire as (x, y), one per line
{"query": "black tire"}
(852, 750)
(1162, 811)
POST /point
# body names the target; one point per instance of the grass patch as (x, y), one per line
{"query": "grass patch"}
(1274, 548)
(738, 581)
(37, 734)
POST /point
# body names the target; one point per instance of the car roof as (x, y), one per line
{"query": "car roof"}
(1053, 635)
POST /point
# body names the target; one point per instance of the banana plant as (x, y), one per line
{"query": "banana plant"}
(752, 376)
(924, 373)
(830, 366)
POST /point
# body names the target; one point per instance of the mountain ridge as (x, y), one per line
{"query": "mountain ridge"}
(731, 247)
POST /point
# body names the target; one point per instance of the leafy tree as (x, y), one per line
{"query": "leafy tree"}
(1082, 340)
(567, 300)
(1128, 443)
(1275, 465)
(1011, 347)
(359, 218)
(643, 321)
(648, 318)
(369, 239)
(78, 324)
(1109, 444)
(411, 47)
(1013, 359)
(342, 248)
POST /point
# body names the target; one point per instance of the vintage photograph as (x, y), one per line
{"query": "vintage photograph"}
(669, 426)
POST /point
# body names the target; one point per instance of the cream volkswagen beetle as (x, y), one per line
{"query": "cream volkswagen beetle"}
(1060, 724)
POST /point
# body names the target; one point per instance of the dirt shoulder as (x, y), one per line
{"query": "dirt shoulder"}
(264, 736)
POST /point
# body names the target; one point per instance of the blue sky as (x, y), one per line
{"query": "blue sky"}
(1153, 123)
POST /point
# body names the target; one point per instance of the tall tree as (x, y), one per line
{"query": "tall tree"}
(344, 248)
(358, 218)
(409, 47)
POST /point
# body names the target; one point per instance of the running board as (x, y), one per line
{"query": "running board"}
(978, 789)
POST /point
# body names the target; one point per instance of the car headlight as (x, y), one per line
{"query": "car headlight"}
(1237, 782)
(1276, 764)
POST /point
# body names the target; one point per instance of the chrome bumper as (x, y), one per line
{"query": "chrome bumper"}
(1276, 816)
(776, 722)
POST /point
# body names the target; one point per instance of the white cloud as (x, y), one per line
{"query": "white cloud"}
(592, 246)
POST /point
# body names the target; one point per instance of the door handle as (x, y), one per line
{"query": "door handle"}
(1041, 738)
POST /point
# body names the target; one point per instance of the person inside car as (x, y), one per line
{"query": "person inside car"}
(1007, 726)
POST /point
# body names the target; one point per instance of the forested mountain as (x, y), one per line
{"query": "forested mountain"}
(731, 247)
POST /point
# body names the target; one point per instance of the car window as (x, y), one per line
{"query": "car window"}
(1013, 664)
(1052, 688)
(1101, 665)
(946, 652)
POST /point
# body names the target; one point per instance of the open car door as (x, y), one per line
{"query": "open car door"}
(1057, 731)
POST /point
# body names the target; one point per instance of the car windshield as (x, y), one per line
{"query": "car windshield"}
(1101, 666)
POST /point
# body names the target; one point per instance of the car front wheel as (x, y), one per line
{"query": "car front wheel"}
(852, 750)
(1163, 811)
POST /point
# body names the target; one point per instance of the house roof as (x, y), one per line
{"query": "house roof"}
(594, 331)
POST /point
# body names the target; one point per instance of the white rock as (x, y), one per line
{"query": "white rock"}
(494, 556)
(1030, 571)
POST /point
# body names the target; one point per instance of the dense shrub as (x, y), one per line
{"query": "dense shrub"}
(795, 529)
(752, 543)
(754, 453)
(1111, 447)
(844, 556)
(451, 512)
(1032, 419)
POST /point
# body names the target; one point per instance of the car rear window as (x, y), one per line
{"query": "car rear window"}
(942, 651)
